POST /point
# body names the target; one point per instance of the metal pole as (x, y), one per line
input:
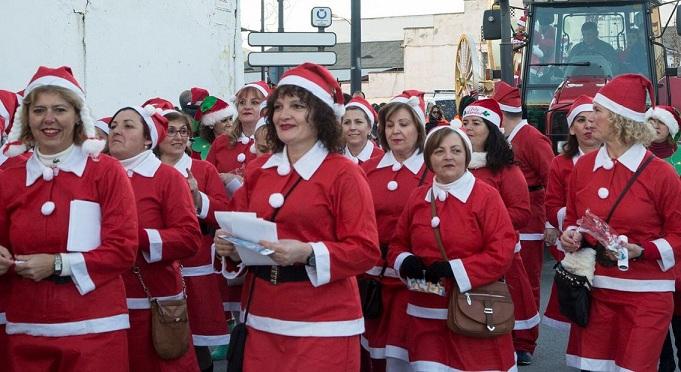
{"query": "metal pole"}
(276, 72)
(355, 46)
(262, 29)
(506, 48)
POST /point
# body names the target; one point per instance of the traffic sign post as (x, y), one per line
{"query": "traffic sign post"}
(321, 17)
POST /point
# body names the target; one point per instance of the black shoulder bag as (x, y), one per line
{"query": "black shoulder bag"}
(370, 288)
(574, 291)
(237, 339)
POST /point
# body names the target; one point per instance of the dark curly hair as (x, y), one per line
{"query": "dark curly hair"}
(499, 152)
(319, 114)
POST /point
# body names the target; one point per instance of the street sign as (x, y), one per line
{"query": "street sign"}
(290, 58)
(318, 39)
(321, 16)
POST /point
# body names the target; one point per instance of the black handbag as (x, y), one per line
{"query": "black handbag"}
(371, 295)
(574, 291)
(574, 295)
(237, 338)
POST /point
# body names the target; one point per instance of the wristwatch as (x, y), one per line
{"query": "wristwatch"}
(57, 265)
(311, 260)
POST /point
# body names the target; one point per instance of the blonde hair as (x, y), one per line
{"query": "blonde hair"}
(237, 127)
(70, 97)
(630, 131)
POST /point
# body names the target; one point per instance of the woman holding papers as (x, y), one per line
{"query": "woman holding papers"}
(206, 316)
(304, 314)
(392, 178)
(65, 235)
(631, 300)
(478, 238)
(168, 230)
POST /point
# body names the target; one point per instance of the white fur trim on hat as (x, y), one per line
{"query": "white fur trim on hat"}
(366, 110)
(666, 117)
(578, 110)
(483, 113)
(414, 103)
(510, 108)
(316, 90)
(103, 126)
(260, 123)
(464, 136)
(146, 113)
(212, 118)
(619, 109)
(258, 87)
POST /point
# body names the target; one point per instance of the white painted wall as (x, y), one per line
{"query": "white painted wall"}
(379, 29)
(125, 51)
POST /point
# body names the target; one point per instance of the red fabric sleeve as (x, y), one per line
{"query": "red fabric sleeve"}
(555, 193)
(215, 191)
(516, 197)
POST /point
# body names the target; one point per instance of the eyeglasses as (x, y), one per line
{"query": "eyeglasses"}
(183, 132)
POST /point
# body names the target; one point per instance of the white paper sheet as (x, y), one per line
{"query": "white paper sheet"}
(85, 223)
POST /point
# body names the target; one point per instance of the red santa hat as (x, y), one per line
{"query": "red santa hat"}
(198, 95)
(507, 96)
(157, 123)
(162, 105)
(583, 103)
(103, 124)
(365, 106)
(319, 82)
(60, 77)
(487, 109)
(413, 98)
(9, 101)
(668, 115)
(260, 86)
(213, 110)
(522, 21)
(626, 95)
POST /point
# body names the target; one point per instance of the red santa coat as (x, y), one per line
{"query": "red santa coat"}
(5, 163)
(227, 158)
(630, 310)
(478, 236)
(533, 152)
(510, 183)
(384, 337)
(206, 316)
(169, 231)
(91, 307)
(369, 151)
(556, 199)
(339, 223)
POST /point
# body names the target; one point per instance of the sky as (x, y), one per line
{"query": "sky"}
(297, 12)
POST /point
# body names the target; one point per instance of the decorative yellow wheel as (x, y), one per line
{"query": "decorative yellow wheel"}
(466, 67)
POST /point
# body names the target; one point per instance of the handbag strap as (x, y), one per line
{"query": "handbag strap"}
(138, 273)
(273, 218)
(633, 178)
(436, 229)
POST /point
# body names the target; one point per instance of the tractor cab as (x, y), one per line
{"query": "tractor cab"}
(575, 47)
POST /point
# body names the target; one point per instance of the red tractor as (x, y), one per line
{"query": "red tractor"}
(573, 47)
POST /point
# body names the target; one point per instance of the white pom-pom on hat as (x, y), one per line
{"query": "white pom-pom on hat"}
(276, 200)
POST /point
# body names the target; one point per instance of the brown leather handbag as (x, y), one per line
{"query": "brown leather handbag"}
(483, 312)
(169, 323)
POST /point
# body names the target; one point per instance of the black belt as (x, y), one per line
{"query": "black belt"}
(60, 279)
(535, 188)
(280, 274)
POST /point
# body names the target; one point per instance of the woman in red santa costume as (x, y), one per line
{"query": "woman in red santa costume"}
(492, 162)
(357, 122)
(478, 237)
(580, 141)
(215, 117)
(168, 230)
(64, 231)
(392, 178)
(230, 152)
(304, 314)
(630, 308)
(206, 316)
